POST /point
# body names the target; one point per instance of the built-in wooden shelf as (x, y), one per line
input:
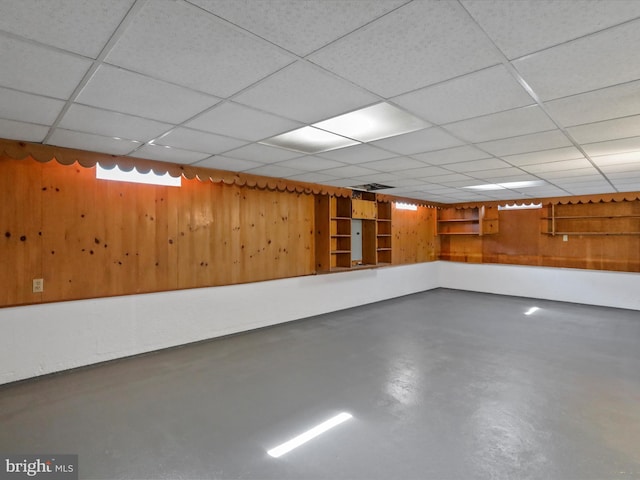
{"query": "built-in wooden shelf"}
(591, 219)
(467, 221)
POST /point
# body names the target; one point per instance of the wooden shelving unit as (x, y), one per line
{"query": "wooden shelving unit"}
(467, 221)
(591, 219)
(383, 233)
(332, 233)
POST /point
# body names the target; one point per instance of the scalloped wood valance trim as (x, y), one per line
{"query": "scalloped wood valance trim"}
(572, 200)
(67, 156)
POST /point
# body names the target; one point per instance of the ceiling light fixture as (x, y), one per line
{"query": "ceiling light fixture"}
(508, 185)
(133, 176)
(373, 123)
(309, 140)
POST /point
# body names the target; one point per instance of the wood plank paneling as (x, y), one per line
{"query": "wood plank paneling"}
(91, 238)
(20, 232)
(414, 236)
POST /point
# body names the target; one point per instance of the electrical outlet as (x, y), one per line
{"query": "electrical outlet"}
(565, 238)
(38, 285)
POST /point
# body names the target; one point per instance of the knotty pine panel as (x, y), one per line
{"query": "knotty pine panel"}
(20, 231)
(413, 236)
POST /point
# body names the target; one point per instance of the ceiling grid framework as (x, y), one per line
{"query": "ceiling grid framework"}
(509, 91)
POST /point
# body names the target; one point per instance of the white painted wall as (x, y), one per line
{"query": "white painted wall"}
(40, 339)
(591, 287)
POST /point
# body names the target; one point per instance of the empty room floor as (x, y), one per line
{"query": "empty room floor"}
(440, 385)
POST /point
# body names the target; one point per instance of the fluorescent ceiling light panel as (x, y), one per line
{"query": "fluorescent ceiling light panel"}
(309, 140)
(373, 123)
(406, 206)
(309, 435)
(134, 176)
(504, 186)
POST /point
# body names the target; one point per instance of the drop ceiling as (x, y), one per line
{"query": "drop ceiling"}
(509, 90)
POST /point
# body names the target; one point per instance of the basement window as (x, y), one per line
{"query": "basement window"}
(523, 206)
(149, 178)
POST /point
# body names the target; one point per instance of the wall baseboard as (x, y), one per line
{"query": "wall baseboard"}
(42, 339)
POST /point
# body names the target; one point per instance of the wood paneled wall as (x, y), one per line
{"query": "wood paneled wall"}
(413, 235)
(520, 241)
(90, 238)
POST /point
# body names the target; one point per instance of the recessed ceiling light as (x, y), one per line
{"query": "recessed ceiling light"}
(309, 140)
(508, 185)
(373, 123)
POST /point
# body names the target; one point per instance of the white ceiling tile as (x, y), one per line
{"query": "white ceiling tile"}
(82, 27)
(476, 165)
(451, 155)
(196, 141)
(171, 155)
(519, 27)
(88, 141)
(305, 93)
(338, 182)
(526, 143)
(219, 162)
(613, 147)
(234, 120)
(358, 154)
(300, 27)
(544, 156)
(312, 177)
(604, 104)
(555, 166)
(39, 70)
(595, 181)
(384, 178)
(408, 183)
(110, 124)
(126, 92)
(25, 107)
(423, 172)
(176, 42)
(581, 190)
(552, 176)
(262, 153)
(394, 164)
(626, 157)
(624, 177)
(27, 132)
(607, 130)
(421, 141)
(349, 171)
(311, 163)
(510, 123)
(444, 43)
(488, 91)
(275, 171)
(451, 178)
(630, 187)
(568, 69)
(627, 168)
(498, 173)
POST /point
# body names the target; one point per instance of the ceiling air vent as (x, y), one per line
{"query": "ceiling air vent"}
(370, 187)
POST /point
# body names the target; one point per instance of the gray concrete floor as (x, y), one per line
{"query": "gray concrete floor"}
(441, 385)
